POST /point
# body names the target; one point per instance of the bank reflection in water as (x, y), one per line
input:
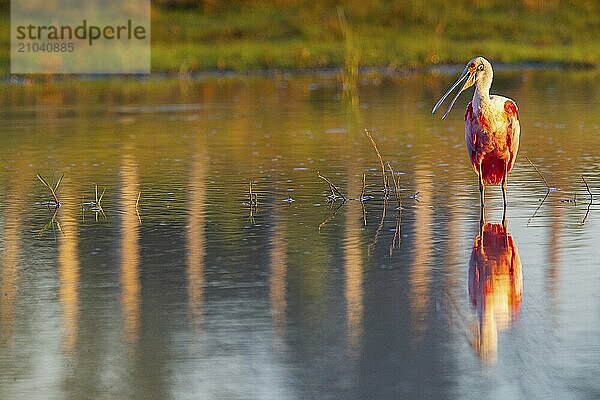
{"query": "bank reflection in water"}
(420, 274)
(130, 259)
(196, 240)
(13, 218)
(277, 279)
(68, 265)
(495, 287)
(353, 267)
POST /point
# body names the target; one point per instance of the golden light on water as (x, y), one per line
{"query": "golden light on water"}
(419, 279)
(353, 270)
(68, 263)
(196, 295)
(196, 225)
(10, 269)
(277, 279)
(130, 257)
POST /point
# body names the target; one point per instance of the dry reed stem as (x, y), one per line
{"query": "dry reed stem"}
(539, 173)
(99, 199)
(364, 212)
(588, 189)
(52, 189)
(328, 219)
(364, 187)
(538, 207)
(253, 203)
(137, 209)
(383, 174)
(53, 221)
(253, 196)
(591, 200)
(396, 233)
(332, 187)
(396, 181)
(379, 227)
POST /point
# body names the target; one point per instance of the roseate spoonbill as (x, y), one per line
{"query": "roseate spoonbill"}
(491, 127)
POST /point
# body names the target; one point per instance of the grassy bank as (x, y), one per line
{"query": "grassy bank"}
(276, 34)
(306, 34)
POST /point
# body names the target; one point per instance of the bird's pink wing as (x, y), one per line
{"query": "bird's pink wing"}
(471, 132)
(513, 131)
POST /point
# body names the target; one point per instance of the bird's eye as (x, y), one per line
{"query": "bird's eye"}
(480, 67)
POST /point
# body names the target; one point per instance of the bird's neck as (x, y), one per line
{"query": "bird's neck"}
(481, 96)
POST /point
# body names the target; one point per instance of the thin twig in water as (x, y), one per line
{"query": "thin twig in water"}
(51, 223)
(83, 209)
(333, 188)
(97, 204)
(588, 189)
(383, 174)
(396, 232)
(364, 187)
(587, 212)
(591, 200)
(364, 212)
(100, 211)
(253, 196)
(328, 219)
(415, 197)
(253, 203)
(99, 199)
(573, 200)
(396, 182)
(137, 209)
(379, 227)
(52, 188)
(539, 173)
(538, 207)
(548, 190)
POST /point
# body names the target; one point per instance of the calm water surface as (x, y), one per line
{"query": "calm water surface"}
(182, 289)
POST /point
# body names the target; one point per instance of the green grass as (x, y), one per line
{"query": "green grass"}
(256, 35)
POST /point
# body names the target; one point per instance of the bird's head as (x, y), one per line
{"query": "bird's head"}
(477, 72)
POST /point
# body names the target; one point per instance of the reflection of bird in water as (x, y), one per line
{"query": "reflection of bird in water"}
(491, 126)
(495, 287)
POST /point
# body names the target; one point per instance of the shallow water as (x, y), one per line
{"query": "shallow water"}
(190, 291)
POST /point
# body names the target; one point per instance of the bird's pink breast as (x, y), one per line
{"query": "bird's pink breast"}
(492, 170)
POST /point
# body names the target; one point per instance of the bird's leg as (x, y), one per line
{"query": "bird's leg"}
(481, 187)
(481, 223)
(504, 194)
(482, 196)
(504, 184)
